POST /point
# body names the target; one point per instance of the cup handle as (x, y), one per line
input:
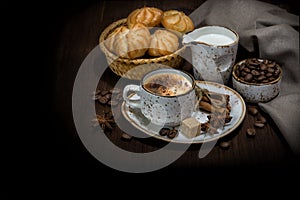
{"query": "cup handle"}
(134, 103)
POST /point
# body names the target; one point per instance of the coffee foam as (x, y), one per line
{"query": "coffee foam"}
(167, 84)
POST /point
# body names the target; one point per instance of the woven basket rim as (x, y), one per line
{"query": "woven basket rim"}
(119, 22)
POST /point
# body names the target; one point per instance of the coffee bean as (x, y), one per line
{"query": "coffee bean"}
(263, 67)
(255, 73)
(271, 64)
(259, 124)
(224, 144)
(261, 78)
(271, 70)
(271, 79)
(269, 74)
(108, 96)
(172, 133)
(103, 100)
(164, 131)
(253, 62)
(126, 136)
(246, 69)
(251, 67)
(248, 77)
(251, 132)
(252, 110)
(243, 73)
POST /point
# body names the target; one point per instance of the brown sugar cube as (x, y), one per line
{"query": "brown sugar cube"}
(191, 127)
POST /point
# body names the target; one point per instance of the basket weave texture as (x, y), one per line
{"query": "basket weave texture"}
(136, 68)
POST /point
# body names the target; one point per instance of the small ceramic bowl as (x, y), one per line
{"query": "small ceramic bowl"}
(255, 83)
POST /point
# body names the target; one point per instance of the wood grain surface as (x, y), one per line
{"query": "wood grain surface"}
(74, 31)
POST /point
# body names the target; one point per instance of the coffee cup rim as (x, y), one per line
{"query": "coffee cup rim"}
(168, 69)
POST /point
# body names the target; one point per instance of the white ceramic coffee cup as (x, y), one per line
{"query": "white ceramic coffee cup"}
(214, 50)
(160, 109)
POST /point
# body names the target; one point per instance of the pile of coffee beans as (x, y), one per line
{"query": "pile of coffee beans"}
(105, 96)
(257, 71)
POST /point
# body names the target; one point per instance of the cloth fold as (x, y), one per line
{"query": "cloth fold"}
(276, 32)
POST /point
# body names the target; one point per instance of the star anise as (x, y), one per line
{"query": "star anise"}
(105, 121)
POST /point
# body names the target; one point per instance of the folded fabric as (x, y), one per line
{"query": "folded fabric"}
(273, 32)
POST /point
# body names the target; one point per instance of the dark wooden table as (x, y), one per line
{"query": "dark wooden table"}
(74, 31)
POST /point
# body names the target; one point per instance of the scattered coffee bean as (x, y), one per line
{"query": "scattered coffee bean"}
(224, 144)
(103, 100)
(126, 136)
(172, 133)
(108, 95)
(260, 121)
(164, 131)
(257, 70)
(252, 110)
(251, 132)
(259, 125)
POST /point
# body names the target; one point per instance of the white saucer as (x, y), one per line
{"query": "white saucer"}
(238, 111)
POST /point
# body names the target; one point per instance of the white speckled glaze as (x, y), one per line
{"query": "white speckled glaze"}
(162, 110)
(212, 62)
(253, 92)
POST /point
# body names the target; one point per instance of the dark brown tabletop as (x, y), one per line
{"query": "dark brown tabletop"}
(74, 32)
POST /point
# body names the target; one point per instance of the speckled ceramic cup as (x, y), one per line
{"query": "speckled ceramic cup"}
(171, 99)
(214, 50)
(256, 92)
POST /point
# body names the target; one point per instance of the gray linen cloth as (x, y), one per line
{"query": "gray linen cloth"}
(275, 31)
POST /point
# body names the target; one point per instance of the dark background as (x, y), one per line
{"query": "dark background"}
(57, 153)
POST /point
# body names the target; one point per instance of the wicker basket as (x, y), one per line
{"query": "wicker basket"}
(136, 68)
